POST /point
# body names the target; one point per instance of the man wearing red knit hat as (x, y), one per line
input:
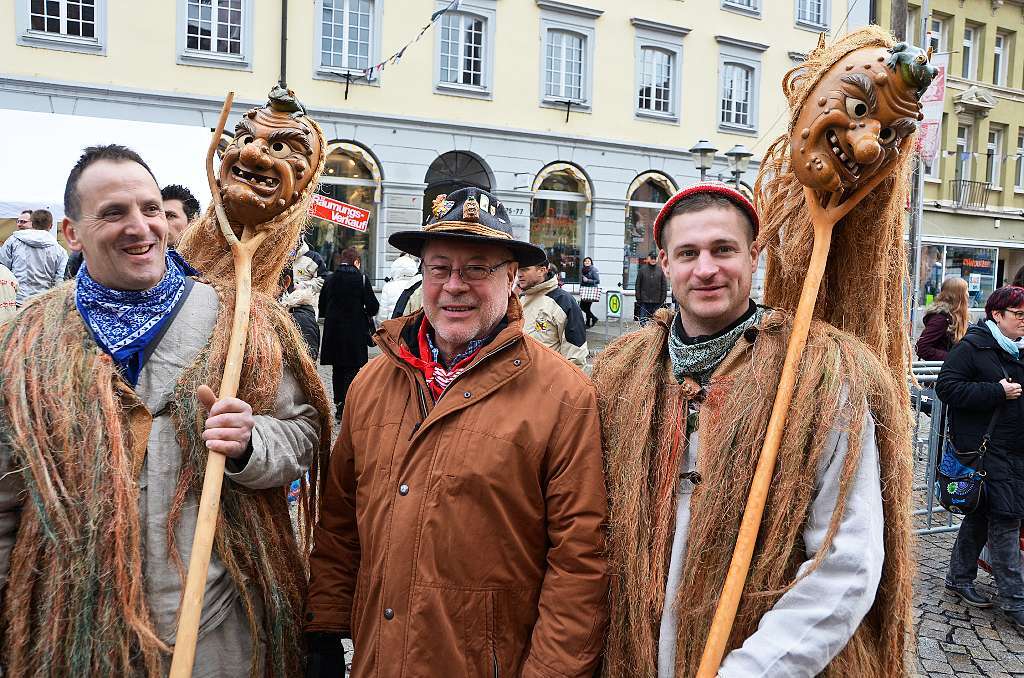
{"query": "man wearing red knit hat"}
(684, 404)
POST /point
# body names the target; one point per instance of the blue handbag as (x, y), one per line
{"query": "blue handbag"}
(959, 487)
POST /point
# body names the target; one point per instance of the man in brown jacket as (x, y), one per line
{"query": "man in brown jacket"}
(462, 524)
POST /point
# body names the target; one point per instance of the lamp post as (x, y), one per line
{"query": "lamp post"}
(705, 154)
(739, 159)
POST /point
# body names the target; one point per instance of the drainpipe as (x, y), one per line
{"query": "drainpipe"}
(283, 82)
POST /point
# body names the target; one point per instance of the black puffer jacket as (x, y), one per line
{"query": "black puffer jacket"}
(969, 384)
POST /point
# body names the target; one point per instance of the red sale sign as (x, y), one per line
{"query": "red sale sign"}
(339, 212)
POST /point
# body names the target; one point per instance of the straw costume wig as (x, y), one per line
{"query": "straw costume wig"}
(852, 366)
(75, 602)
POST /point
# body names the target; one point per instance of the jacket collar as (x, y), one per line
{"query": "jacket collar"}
(542, 288)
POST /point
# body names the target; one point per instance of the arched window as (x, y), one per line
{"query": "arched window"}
(451, 171)
(647, 194)
(561, 204)
(351, 176)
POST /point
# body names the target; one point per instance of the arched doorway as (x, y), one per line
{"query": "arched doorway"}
(645, 198)
(558, 216)
(450, 172)
(351, 175)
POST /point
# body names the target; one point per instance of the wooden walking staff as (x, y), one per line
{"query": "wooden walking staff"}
(851, 128)
(209, 501)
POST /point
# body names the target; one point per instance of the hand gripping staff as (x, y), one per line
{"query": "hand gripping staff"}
(209, 501)
(852, 126)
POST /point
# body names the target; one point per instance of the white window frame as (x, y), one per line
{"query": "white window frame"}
(665, 38)
(732, 51)
(747, 7)
(939, 36)
(340, 73)
(485, 10)
(964, 144)
(1019, 179)
(969, 53)
(561, 16)
(26, 37)
(195, 57)
(807, 24)
(1000, 56)
(994, 157)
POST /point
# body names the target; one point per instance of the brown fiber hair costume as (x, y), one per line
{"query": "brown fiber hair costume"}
(79, 434)
(841, 373)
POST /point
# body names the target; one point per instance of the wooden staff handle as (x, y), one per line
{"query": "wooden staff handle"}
(209, 500)
(746, 540)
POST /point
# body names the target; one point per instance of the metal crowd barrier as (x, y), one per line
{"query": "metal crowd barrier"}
(928, 434)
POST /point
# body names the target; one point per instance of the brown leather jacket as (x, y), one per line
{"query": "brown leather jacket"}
(466, 538)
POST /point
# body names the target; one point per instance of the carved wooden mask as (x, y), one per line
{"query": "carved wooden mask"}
(268, 165)
(859, 116)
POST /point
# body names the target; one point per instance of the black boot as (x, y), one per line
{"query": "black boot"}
(970, 595)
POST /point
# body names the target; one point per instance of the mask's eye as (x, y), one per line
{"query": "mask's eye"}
(279, 149)
(244, 139)
(887, 135)
(856, 108)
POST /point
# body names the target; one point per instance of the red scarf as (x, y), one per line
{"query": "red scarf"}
(436, 374)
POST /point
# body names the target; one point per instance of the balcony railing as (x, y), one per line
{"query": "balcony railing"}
(972, 194)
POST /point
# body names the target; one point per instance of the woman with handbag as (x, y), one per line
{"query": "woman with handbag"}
(980, 382)
(589, 290)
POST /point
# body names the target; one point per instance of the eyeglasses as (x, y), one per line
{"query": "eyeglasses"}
(1019, 315)
(21, 221)
(472, 273)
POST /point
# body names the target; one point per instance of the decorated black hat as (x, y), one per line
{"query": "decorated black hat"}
(468, 214)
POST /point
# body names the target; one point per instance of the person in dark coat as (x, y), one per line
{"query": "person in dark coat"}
(591, 277)
(982, 375)
(945, 321)
(347, 303)
(299, 303)
(651, 289)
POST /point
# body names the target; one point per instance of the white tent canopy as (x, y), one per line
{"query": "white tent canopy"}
(43, 147)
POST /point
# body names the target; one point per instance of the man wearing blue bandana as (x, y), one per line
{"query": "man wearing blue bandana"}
(125, 348)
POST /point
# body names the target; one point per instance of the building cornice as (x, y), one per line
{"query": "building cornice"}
(999, 91)
(668, 29)
(566, 8)
(207, 108)
(736, 42)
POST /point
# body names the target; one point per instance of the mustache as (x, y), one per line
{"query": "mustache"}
(464, 300)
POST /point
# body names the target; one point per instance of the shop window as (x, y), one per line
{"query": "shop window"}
(351, 176)
(70, 25)
(558, 217)
(976, 265)
(646, 197)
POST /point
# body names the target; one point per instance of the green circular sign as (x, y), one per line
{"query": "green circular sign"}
(614, 303)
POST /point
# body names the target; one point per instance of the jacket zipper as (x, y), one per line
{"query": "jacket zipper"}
(494, 660)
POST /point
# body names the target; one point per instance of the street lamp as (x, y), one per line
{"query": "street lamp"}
(739, 158)
(705, 153)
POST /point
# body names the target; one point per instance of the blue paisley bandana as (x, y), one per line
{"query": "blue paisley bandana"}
(124, 322)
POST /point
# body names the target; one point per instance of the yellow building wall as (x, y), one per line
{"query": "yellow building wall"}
(141, 54)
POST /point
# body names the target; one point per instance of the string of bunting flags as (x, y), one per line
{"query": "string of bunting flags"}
(370, 72)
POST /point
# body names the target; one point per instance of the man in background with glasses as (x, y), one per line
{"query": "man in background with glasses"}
(24, 220)
(461, 530)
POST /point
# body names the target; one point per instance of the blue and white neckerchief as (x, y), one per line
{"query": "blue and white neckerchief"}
(124, 322)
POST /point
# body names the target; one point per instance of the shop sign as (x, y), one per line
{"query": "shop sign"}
(929, 135)
(339, 212)
(613, 304)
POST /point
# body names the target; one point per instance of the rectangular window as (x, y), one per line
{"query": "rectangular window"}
(462, 49)
(994, 157)
(967, 53)
(73, 18)
(1020, 161)
(564, 65)
(345, 34)
(750, 6)
(963, 152)
(811, 12)
(214, 26)
(937, 35)
(655, 80)
(999, 58)
(737, 83)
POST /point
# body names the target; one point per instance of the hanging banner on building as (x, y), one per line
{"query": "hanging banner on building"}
(929, 134)
(339, 212)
